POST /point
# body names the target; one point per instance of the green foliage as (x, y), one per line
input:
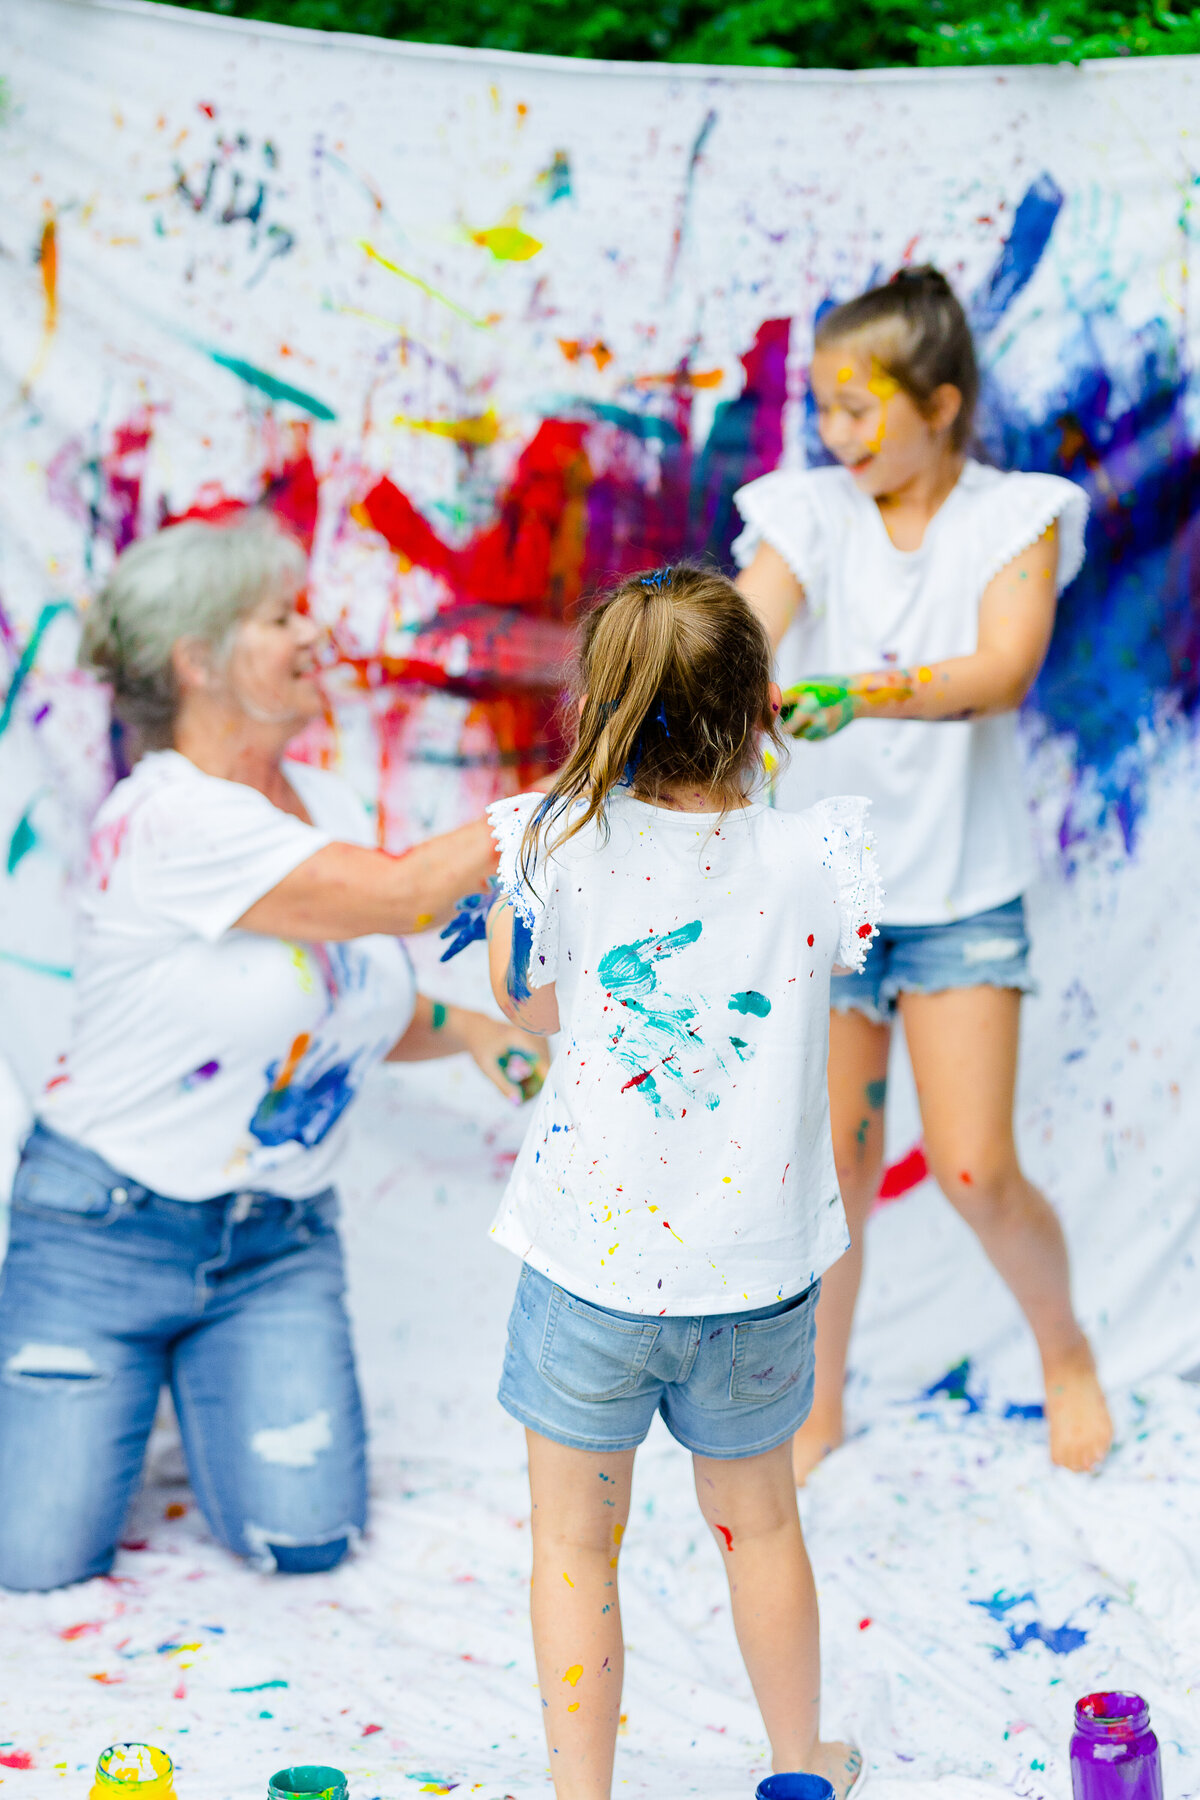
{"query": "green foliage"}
(809, 34)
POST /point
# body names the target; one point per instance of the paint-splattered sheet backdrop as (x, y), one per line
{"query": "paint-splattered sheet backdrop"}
(486, 328)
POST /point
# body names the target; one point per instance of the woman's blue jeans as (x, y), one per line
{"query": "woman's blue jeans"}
(109, 1291)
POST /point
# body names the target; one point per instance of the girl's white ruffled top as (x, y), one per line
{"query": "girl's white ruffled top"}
(950, 816)
(679, 1158)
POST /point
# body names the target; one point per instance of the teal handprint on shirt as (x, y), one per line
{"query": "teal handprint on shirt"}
(656, 1036)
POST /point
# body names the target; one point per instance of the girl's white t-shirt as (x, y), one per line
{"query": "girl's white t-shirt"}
(949, 816)
(205, 1059)
(679, 1157)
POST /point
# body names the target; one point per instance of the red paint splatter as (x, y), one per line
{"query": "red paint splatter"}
(863, 1623)
(727, 1535)
(16, 1759)
(900, 1176)
(637, 1080)
(966, 1178)
(107, 1680)
(179, 1693)
(206, 107)
(370, 1730)
(135, 1543)
(865, 930)
(810, 940)
(88, 1628)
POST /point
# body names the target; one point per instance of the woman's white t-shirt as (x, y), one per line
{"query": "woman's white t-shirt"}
(950, 817)
(205, 1059)
(679, 1157)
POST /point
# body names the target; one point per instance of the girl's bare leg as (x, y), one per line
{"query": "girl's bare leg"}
(858, 1060)
(750, 1507)
(580, 1506)
(963, 1046)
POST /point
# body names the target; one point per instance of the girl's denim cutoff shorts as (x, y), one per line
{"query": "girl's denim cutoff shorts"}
(728, 1385)
(988, 949)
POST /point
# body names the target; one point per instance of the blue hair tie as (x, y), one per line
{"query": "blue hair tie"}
(661, 718)
(658, 578)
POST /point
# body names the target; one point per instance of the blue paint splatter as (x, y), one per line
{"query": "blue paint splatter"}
(519, 957)
(205, 1072)
(1033, 1410)
(953, 1386)
(1061, 1639)
(469, 923)
(750, 1001)
(307, 1109)
(1000, 1603)
(1020, 255)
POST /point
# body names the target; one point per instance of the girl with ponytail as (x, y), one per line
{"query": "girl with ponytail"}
(675, 1202)
(912, 591)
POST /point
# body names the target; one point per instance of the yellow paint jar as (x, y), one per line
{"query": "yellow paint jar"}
(134, 1771)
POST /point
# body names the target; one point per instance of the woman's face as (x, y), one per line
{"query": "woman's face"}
(271, 671)
(870, 424)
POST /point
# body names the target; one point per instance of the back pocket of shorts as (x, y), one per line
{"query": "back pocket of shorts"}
(772, 1355)
(589, 1354)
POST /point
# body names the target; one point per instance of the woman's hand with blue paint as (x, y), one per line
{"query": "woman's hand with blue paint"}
(469, 924)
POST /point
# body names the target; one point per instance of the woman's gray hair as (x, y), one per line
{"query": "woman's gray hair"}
(192, 580)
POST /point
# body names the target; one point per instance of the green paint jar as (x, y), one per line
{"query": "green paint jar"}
(309, 1781)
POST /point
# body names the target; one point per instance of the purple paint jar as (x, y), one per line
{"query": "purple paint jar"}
(1114, 1753)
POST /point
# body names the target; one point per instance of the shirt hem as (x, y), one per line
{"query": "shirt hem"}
(987, 901)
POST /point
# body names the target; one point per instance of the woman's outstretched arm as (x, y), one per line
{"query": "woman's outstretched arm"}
(345, 891)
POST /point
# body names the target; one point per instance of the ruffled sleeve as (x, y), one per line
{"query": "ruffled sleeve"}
(841, 823)
(783, 510)
(1025, 505)
(531, 890)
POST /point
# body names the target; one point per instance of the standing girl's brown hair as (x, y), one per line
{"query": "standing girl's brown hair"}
(673, 684)
(917, 330)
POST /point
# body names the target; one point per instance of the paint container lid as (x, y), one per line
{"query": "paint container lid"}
(313, 1781)
(138, 1770)
(794, 1787)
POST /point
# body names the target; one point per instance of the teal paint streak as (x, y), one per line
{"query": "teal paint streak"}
(21, 674)
(271, 386)
(750, 1001)
(34, 966)
(21, 842)
(876, 1094)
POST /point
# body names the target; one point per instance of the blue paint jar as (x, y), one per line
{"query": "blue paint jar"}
(1114, 1753)
(310, 1781)
(794, 1787)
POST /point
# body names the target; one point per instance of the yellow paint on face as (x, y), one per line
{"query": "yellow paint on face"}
(845, 373)
(885, 387)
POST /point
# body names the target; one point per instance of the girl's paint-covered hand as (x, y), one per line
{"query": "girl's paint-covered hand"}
(818, 708)
(513, 1060)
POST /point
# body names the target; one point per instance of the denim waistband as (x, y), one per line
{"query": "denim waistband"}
(44, 1142)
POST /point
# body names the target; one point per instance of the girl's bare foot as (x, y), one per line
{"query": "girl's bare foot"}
(1081, 1430)
(818, 1435)
(840, 1764)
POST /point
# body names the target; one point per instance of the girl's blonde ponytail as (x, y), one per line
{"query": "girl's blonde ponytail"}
(672, 688)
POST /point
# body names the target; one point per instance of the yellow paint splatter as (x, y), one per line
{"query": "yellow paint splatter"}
(567, 1579)
(924, 674)
(573, 1673)
(478, 429)
(506, 241)
(303, 968)
(574, 1706)
(423, 286)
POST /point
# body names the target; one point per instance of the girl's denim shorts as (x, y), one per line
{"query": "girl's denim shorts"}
(728, 1385)
(988, 949)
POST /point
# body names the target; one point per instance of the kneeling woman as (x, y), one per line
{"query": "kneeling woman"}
(238, 974)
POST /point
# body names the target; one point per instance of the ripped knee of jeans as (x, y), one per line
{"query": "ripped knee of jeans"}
(46, 1367)
(277, 1552)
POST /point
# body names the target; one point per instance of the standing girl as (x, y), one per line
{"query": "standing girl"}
(675, 1202)
(929, 583)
